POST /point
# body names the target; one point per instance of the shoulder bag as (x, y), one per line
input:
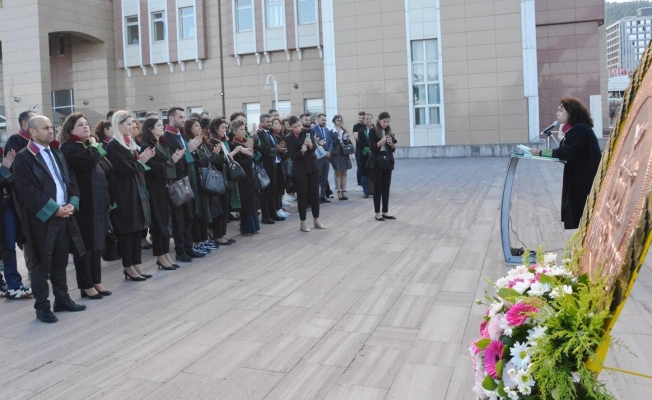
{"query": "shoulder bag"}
(287, 167)
(180, 192)
(235, 171)
(347, 149)
(110, 251)
(211, 180)
(261, 179)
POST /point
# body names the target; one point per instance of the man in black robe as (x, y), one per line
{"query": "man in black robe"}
(47, 196)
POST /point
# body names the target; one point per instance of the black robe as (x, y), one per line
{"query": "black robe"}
(128, 190)
(209, 203)
(363, 142)
(6, 180)
(93, 215)
(245, 186)
(162, 170)
(36, 204)
(581, 151)
(16, 142)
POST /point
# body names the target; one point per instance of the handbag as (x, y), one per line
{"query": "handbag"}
(110, 250)
(287, 167)
(348, 149)
(210, 180)
(180, 192)
(384, 162)
(261, 179)
(235, 171)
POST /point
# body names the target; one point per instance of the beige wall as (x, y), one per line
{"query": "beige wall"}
(483, 71)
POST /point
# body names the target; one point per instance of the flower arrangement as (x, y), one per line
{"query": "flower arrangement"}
(542, 326)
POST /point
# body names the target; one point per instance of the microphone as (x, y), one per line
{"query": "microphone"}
(548, 130)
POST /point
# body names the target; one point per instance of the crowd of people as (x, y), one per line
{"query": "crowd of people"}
(185, 178)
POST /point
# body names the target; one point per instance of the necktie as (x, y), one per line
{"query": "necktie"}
(273, 143)
(55, 166)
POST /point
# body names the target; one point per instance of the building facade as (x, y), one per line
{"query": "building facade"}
(627, 40)
(448, 71)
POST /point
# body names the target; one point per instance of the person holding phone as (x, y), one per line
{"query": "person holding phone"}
(301, 147)
(243, 151)
(382, 145)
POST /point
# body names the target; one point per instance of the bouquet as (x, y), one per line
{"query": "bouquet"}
(542, 326)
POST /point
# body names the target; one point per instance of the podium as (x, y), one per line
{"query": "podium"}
(507, 201)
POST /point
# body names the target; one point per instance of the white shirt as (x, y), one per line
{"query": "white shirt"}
(61, 191)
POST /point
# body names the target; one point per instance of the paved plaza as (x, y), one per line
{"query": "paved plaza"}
(364, 310)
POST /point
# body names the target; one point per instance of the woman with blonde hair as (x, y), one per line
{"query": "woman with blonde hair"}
(128, 190)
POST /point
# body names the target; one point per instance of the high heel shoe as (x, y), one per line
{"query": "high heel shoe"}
(105, 292)
(138, 278)
(344, 196)
(93, 297)
(318, 225)
(161, 266)
(303, 227)
(340, 195)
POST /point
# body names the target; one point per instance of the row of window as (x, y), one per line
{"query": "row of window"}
(158, 22)
(274, 13)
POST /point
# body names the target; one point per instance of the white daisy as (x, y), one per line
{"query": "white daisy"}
(536, 333)
(539, 289)
(520, 356)
(549, 258)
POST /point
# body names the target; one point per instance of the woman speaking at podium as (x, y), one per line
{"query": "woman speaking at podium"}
(581, 152)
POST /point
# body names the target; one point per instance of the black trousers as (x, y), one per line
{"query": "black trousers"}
(382, 181)
(268, 197)
(88, 267)
(160, 242)
(130, 246)
(53, 266)
(219, 223)
(307, 187)
(280, 186)
(199, 230)
(182, 217)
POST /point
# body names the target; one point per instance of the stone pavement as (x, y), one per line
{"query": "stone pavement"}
(363, 310)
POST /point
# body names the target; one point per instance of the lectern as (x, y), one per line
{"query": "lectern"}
(507, 201)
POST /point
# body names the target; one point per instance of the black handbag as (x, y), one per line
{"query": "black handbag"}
(261, 179)
(348, 149)
(211, 181)
(287, 167)
(110, 251)
(180, 192)
(235, 171)
(384, 162)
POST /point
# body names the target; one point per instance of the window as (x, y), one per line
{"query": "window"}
(245, 15)
(284, 108)
(62, 45)
(191, 110)
(140, 115)
(252, 111)
(307, 12)
(63, 102)
(131, 26)
(275, 14)
(187, 18)
(158, 26)
(425, 82)
(314, 106)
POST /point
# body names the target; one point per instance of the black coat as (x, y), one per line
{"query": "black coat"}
(267, 149)
(301, 163)
(209, 203)
(36, 194)
(245, 186)
(16, 142)
(128, 191)
(581, 151)
(362, 143)
(93, 215)
(162, 170)
(374, 150)
(6, 180)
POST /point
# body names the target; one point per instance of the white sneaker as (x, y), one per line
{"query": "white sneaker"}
(285, 203)
(358, 189)
(289, 197)
(23, 292)
(282, 214)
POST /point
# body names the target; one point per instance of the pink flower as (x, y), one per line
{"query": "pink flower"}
(514, 282)
(483, 329)
(518, 314)
(494, 329)
(492, 354)
(474, 348)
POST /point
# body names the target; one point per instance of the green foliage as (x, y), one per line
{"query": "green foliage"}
(575, 326)
(616, 11)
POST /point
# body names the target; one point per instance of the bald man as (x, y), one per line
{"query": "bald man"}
(47, 197)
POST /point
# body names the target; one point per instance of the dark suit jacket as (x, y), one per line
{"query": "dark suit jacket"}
(173, 142)
(267, 149)
(301, 163)
(36, 201)
(327, 136)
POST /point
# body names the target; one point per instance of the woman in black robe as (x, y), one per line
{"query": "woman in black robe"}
(218, 138)
(129, 193)
(249, 223)
(162, 170)
(83, 154)
(581, 152)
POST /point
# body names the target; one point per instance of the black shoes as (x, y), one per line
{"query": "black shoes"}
(388, 216)
(69, 306)
(105, 292)
(267, 221)
(183, 257)
(93, 297)
(136, 278)
(324, 200)
(146, 276)
(194, 254)
(277, 218)
(380, 219)
(47, 316)
(161, 266)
